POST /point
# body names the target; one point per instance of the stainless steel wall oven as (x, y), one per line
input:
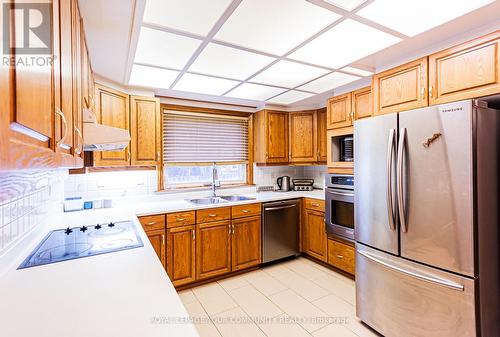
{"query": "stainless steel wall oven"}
(339, 213)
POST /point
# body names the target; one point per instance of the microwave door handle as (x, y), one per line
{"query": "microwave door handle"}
(389, 161)
(400, 179)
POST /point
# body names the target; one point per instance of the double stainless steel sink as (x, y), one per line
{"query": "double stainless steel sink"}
(219, 200)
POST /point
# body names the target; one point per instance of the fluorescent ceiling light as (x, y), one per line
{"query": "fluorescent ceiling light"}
(152, 77)
(274, 26)
(204, 84)
(290, 97)
(418, 16)
(192, 16)
(229, 62)
(348, 5)
(328, 82)
(357, 71)
(288, 74)
(343, 44)
(255, 92)
(163, 49)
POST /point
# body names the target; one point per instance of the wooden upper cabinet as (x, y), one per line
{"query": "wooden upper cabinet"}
(245, 243)
(145, 130)
(303, 136)
(112, 109)
(213, 249)
(270, 136)
(181, 254)
(401, 88)
(469, 70)
(29, 115)
(315, 239)
(362, 103)
(339, 111)
(322, 147)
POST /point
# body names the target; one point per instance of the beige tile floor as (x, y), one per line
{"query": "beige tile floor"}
(291, 299)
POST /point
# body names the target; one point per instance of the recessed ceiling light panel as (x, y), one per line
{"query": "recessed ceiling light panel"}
(152, 77)
(415, 17)
(204, 84)
(274, 26)
(328, 82)
(192, 16)
(255, 92)
(229, 62)
(290, 97)
(357, 71)
(343, 44)
(163, 49)
(288, 74)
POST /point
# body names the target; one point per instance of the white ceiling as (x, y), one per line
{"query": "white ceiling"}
(286, 52)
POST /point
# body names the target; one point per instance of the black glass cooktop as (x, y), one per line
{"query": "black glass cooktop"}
(73, 243)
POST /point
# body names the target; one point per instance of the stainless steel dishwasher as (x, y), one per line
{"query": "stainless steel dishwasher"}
(280, 232)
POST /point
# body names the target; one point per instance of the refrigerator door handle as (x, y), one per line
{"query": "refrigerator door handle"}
(389, 161)
(399, 180)
(426, 278)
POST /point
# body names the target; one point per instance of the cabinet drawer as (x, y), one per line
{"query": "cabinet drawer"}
(241, 211)
(213, 214)
(152, 222)
(180, 219)
(315, 205)
(341, 256)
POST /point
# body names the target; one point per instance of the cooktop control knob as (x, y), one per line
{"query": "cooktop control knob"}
(111, 224)
(68, 231)
(97, 226)
(83, 229)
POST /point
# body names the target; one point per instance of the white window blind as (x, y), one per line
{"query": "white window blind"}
(202, 138)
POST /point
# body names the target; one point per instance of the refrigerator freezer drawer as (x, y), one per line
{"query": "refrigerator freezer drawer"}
(401, 298)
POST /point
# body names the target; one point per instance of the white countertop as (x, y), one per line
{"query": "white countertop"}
(114, 294)
(172, 204)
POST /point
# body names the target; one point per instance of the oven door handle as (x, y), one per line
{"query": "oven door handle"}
(340, 193)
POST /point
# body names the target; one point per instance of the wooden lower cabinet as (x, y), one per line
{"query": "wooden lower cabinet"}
(213, 249)
(245, 243)
(314, 232)
(181, 254)
(157, 239)
(341, 256)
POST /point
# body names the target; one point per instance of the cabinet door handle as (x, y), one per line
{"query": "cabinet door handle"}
(163, 239)
(128, 155)
(193, 234)
(232, 228)
(180, 219)
(431, 89)
(245, 211)
(65, 122)
(79, 148)
(339, 256)
(158, 156)
(150, 223)
(315, 204)
(212, 215)
(422, 92)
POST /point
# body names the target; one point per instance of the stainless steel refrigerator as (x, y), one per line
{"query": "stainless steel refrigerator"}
(426, 221)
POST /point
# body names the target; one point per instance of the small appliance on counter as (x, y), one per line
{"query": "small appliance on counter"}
(73, 243)
(284, 184)
(303, 184)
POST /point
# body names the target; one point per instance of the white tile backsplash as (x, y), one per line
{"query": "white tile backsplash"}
(267, 175)
(100, 185)
(22, 212)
